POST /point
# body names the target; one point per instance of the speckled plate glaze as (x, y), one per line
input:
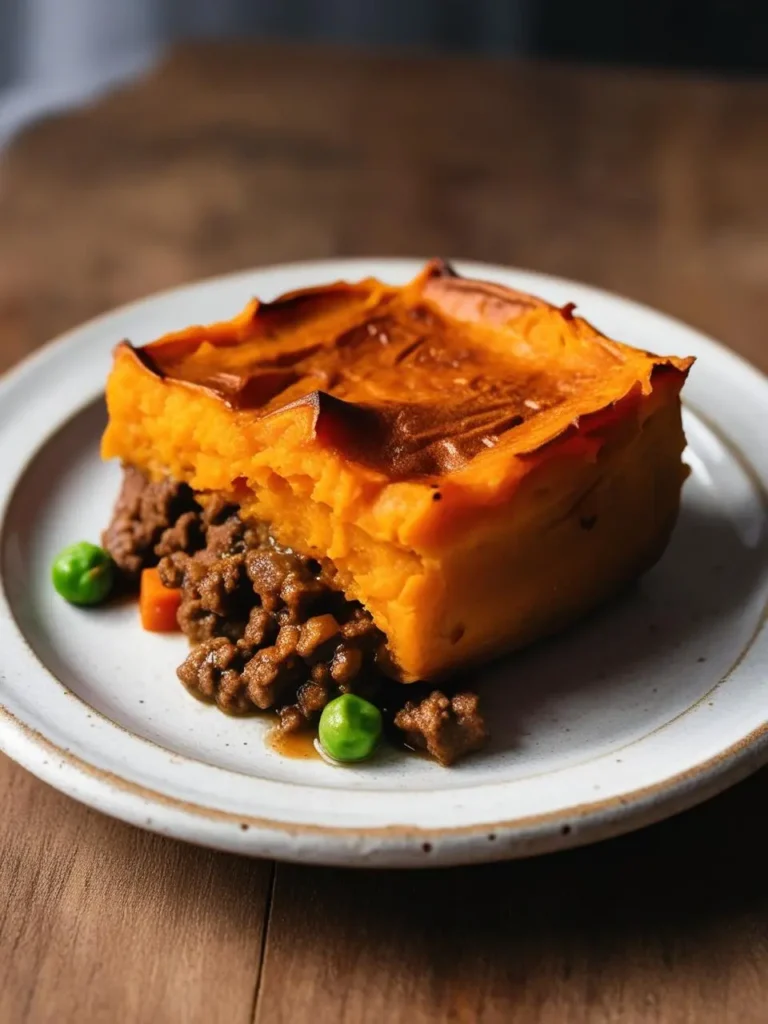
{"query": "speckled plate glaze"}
(650, 706)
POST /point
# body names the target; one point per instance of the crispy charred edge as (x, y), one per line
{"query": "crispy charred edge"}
(236, 392)
(141, 356)
(586, 430)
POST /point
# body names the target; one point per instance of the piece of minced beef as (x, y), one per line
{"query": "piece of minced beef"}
(446, 727)
(150, 519)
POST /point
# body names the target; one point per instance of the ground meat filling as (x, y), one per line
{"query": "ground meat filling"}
(269, 627)
(150, 520)
(446, 727)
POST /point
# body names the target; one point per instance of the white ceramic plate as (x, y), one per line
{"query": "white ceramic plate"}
(650, 706)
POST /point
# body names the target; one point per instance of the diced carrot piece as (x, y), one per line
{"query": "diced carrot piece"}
(158, 605)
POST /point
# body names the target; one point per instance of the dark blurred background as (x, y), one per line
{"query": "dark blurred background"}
(54, 53)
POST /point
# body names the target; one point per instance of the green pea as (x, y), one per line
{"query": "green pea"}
(350, 728)
(83, 573)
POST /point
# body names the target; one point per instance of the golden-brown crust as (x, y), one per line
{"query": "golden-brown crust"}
(413, 382)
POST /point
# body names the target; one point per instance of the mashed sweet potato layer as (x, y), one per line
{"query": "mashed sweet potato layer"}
(480, 466)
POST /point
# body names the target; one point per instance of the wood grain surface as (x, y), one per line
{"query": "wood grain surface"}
(227, 156)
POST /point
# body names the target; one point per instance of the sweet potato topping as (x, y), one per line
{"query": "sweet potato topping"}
(479, 466)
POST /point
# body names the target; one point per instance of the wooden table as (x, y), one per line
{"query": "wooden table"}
(652, 185)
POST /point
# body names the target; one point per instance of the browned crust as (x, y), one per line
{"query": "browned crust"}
(457, 397)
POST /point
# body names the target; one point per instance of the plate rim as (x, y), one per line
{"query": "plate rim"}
(526, 835)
